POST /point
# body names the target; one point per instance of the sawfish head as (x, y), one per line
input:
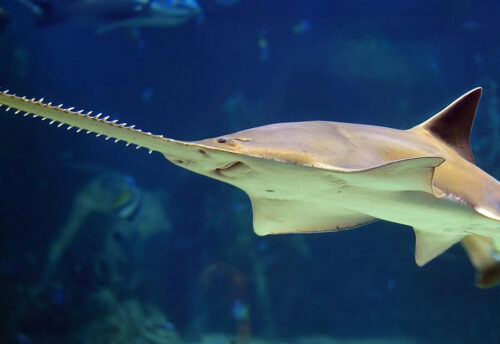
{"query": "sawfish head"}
(224, 155)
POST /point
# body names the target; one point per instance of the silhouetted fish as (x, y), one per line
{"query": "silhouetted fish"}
(110, 14)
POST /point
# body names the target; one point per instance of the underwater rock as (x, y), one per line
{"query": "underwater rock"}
(130, 321)
(125, 240)
(330, 340)
(220, 338)
(134, 215)
(152, 218)
(106, 193)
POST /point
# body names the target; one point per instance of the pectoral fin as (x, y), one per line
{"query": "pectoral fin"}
(273, 216)
(429, 245)
(484, 258)
(407, 174)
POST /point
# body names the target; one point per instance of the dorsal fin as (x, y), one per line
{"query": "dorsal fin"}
(454, 123)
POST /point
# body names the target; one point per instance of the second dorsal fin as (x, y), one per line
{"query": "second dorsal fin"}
(454, 123)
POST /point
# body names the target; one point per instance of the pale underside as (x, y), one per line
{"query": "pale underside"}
(293, 198)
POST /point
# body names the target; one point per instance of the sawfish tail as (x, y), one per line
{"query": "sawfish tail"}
(485, 259)
(80, 120)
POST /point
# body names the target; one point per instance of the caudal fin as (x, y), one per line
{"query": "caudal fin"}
(485, 259)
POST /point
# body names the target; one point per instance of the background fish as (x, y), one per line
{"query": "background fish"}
(110, 14)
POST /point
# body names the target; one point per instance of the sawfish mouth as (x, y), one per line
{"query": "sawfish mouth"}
(229, 168)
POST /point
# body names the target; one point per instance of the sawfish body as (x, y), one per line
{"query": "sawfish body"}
(317, 176)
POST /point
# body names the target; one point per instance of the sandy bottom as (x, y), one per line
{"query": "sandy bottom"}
(215, 338)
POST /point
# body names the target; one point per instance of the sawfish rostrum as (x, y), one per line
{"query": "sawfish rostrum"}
(319, 176)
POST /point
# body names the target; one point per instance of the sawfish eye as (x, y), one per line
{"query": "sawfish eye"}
(222, 140)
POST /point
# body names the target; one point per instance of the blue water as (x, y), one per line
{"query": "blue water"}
(255, 62)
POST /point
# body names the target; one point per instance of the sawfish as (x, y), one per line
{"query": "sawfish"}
(319, 176)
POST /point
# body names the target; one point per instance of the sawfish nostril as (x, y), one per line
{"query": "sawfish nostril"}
(222, 140)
